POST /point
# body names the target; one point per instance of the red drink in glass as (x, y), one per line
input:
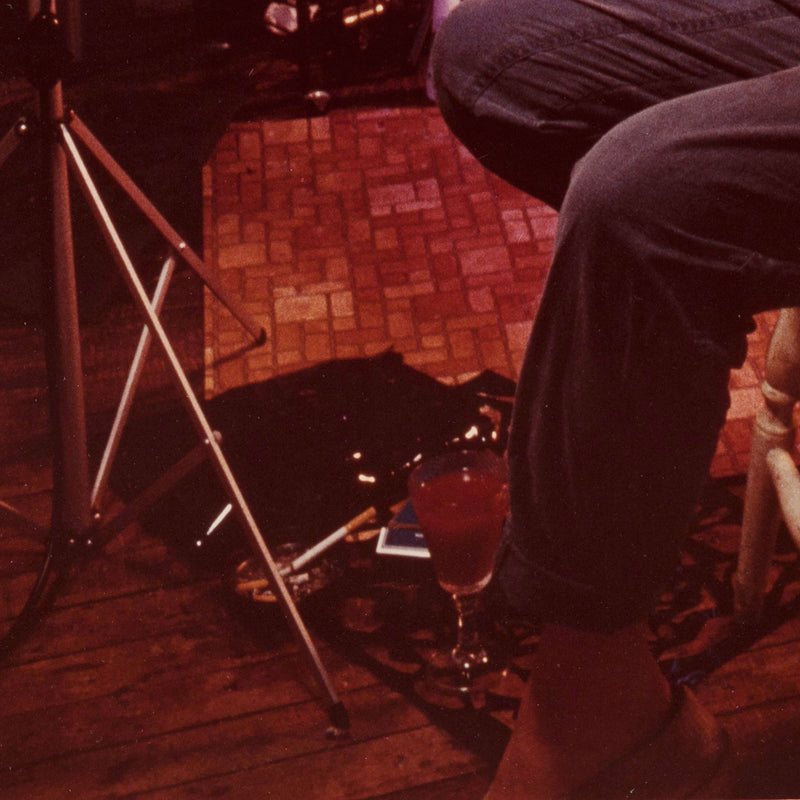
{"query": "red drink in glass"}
(461, 501)
(461, 513)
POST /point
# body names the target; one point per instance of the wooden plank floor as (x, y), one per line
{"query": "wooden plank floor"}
(142, 681)
(145, 679)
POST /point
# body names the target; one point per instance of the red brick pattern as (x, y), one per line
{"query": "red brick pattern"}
(368, 229)
(373, 228)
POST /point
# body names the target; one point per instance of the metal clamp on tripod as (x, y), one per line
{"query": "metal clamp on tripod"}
(77, 515)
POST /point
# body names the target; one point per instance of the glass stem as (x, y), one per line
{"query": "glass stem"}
(469, 652)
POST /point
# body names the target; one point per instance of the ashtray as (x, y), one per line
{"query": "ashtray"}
(251, 580)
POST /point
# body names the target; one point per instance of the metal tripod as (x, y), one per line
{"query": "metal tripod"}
(76, 501)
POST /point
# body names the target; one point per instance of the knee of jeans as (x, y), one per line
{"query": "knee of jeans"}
(657, 167)
(629, 182)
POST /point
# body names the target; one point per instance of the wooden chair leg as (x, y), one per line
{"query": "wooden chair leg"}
(761, 518)
(773, 431)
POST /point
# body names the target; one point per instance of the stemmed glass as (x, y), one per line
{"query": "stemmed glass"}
(461, 502)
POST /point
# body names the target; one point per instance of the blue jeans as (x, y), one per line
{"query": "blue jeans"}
(668, 136)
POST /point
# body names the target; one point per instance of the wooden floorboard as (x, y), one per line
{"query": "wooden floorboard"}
(469, 786)
(148, 679)
(142, 680)
(219, 751)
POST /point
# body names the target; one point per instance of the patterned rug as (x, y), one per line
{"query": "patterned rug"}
(315, 448)
(389, 617)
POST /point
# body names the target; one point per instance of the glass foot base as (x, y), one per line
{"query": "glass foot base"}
(451, 683)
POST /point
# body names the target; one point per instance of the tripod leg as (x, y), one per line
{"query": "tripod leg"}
(13, 516)
(33, 555)
(167, 231)
(134, 374)
(27, 556)
(65, 371)
(246, 519)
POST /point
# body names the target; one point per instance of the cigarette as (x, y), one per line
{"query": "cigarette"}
(365, 516)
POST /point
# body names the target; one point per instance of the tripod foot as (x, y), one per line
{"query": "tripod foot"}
(340, 721)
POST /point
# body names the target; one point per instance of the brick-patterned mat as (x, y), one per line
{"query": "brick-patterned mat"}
(370, 228)
(365, 229)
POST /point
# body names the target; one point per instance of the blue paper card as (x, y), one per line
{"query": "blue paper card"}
(402, 535)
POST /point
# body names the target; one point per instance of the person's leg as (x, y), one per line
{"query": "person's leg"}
(529, 87)
(678, 226)
(565, 735)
